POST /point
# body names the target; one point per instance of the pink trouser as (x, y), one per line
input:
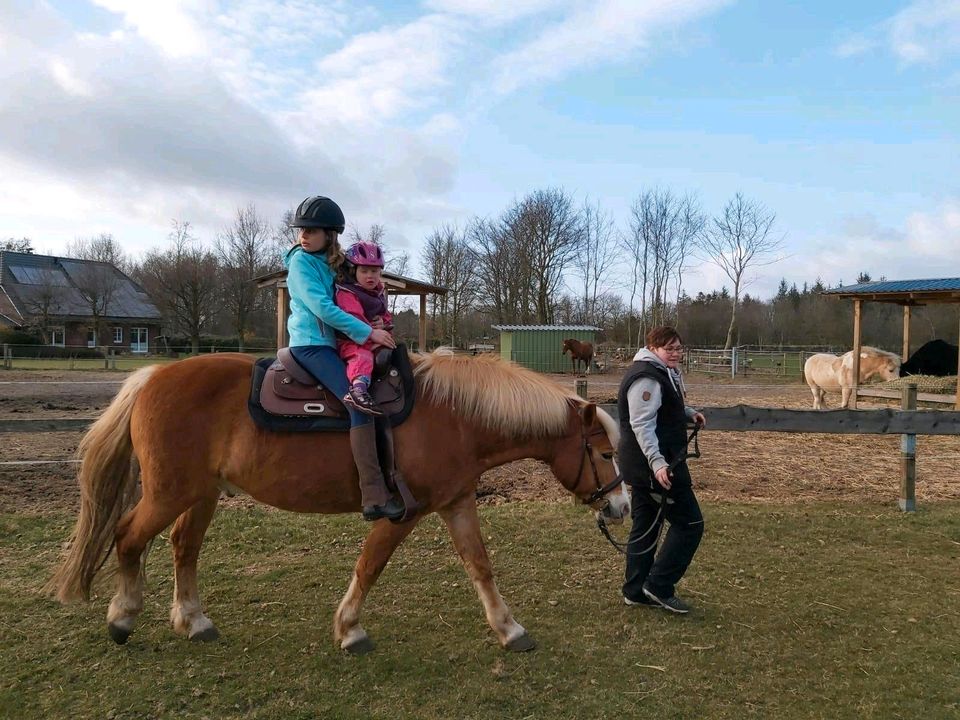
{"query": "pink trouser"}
(359, 358)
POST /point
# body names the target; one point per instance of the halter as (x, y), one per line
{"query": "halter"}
(656, 524)
(587, 454)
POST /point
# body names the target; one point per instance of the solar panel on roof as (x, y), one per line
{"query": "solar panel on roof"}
(38, 276)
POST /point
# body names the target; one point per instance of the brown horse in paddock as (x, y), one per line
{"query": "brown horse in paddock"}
(824, 371)
(579, 352)
(184, 431)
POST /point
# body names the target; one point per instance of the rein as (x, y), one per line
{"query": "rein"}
(657, 523)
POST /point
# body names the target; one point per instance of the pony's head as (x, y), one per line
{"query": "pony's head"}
(874, 361)
(587, 467)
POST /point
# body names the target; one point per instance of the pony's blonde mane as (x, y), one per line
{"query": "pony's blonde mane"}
(870, 350)
(494, 393)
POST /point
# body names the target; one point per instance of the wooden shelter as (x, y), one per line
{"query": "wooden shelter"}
(909, 294)
(395, 284)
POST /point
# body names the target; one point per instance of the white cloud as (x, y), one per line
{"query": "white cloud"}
(923, 32)
(170, 25)
(496, 12)
(597, 32)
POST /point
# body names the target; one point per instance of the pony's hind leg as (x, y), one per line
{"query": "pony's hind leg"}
(135, 529)
(382, 540)
(464, 526)
(186, 613)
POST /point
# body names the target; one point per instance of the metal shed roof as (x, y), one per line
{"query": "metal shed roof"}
(511, 328)
(933, 290)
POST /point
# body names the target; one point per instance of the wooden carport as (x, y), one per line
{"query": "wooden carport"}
(395, 284)
(909, 294)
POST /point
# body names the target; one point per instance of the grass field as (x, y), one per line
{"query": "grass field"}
(803, 612)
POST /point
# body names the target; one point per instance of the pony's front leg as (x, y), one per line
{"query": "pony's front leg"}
(377, 549)
(464, 526)
(845, 394)
(186, 613)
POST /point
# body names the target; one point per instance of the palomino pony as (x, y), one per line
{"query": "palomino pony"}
(824, 371)
(184, 430)
(579, 352)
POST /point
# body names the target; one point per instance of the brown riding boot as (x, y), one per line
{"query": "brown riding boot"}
(374, 496)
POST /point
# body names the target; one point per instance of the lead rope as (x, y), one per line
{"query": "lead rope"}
(657, 523)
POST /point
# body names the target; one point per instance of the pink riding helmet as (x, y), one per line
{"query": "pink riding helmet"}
(365, 253)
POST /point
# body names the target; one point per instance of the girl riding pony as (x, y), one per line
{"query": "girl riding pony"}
(312, 266)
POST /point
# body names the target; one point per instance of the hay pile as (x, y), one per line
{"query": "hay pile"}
(925, 383)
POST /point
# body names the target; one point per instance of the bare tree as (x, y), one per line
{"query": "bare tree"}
(663, 228)
(737, 241)
(396, 264)
(448, 260)
(244, 252)
(99, 278)
(183, 278)
(502, 269)
(23, 245)
(375, 234)
(596, 254)
(45, 300)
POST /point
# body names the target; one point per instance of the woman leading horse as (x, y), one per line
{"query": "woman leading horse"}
(183, 430)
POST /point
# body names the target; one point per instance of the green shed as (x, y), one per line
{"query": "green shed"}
(540, 347)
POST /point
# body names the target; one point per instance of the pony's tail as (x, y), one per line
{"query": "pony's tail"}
(107, 490)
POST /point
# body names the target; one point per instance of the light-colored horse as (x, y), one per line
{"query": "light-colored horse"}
(825, 372)
(183, 431)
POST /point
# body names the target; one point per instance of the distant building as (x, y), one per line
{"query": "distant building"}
(57, 295)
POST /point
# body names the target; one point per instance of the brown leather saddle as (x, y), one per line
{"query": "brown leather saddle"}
(290, 390)
(286, 397)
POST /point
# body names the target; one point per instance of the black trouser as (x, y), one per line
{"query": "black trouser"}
(678, 546)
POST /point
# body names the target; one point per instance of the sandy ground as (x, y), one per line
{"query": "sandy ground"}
(742, 467)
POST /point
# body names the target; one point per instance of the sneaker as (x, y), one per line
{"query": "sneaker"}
(641, 601)
(673, 604)
(391, 509)
(361, 401)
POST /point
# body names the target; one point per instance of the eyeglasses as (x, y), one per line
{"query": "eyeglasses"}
(674, 348)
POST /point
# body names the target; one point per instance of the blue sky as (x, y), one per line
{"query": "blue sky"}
(118, 116)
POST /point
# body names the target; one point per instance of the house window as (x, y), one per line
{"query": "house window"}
(118, 335)
(91, 338)
(138, 340)
(57, 336)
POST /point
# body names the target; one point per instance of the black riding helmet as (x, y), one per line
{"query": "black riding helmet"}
(319, 212)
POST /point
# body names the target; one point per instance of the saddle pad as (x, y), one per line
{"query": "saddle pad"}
(395, 392)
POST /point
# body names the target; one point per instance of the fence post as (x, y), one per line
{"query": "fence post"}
(733, 362)
(908, 455)
(582, 388)
(7, 359)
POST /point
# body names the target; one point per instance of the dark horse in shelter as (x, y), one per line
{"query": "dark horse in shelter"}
(579, 352)
(936, 357)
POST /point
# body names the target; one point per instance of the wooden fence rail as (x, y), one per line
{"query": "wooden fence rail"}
(745, 418)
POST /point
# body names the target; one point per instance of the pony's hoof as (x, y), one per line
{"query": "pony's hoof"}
(117, 633)
(361, 646)
(208, 634)
(521, 643)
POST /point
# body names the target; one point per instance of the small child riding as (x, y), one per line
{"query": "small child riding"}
(360, 293)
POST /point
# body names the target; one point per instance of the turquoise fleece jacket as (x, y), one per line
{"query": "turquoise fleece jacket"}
(314, 316)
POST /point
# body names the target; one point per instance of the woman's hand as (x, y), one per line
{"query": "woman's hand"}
(379, 336)
(699, 420)
(663, 477)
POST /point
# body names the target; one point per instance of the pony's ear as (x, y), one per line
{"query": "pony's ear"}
(588, 412)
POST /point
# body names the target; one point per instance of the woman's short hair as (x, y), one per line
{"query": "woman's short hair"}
(662, 336)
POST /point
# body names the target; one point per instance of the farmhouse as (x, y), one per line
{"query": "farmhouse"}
(76, 303)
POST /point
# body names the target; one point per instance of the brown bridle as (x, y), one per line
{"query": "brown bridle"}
(587, 454)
